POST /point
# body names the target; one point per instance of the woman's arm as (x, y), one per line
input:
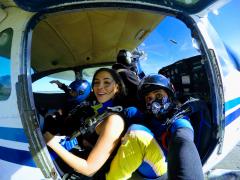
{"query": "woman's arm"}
(109, 136)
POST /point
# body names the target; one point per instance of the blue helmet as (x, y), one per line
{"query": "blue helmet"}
(82, 88)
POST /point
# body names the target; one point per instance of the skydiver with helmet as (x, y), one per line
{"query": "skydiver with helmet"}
(171, 127)
(63, 120)
(76, 92)
(165, 121)
(128, 67)
(130, 61)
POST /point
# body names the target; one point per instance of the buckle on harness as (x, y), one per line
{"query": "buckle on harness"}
(115, 108)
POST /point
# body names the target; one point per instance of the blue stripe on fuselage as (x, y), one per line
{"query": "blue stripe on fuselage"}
(231, 117)
(232, 103)
(235, 114)
(16, 156)
(13, 134)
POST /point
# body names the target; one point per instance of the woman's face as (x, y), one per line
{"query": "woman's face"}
(104, 86)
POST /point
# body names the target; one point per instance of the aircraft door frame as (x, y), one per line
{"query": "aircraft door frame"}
(212, 44)
(229, 93)
(17, 132)
(28, 113)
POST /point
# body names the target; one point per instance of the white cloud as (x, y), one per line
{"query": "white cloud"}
(216, 12)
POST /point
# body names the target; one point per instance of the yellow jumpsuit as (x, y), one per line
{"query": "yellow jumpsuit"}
(138, 151)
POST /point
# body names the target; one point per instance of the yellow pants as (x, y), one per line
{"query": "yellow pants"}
(138, 151)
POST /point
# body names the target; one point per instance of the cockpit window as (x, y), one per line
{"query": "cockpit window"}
(168, 43)
(5, 63)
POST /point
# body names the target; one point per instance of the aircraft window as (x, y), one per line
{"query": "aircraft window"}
(166, 46)
(32, 71)
(5, 63)
(87, 73)
(43, 85)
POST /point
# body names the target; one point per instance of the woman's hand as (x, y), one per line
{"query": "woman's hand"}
(59, 84)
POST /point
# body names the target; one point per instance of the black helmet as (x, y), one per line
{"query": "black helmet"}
(153, 82)
(162, 108)
(124, 57)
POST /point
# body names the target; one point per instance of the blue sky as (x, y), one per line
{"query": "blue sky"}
(227, 24)
(169, 42)
(4, 66)
(161, 50)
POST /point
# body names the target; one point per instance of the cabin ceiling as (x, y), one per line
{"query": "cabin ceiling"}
(88, 37)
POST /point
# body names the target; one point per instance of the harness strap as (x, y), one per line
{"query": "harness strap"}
(90, 123)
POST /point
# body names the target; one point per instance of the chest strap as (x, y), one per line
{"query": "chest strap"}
(89, 124)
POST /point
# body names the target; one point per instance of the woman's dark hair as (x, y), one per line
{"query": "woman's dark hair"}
(118, 98)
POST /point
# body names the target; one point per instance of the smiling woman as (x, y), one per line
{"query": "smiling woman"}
(106, 133)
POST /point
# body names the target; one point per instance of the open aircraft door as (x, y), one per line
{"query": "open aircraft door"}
(18, 121)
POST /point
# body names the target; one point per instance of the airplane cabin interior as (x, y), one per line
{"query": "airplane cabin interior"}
(91, 38)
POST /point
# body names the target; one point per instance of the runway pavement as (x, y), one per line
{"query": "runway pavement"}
(231, 161)
(228, 168)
